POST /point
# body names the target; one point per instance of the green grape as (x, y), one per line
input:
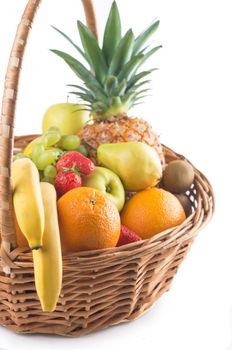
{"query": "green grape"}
(46, 158)
(19, 156)
(50, 171)
(58, 152)
(50, 138)
(70, 142)
(82, 150)
(38, 150)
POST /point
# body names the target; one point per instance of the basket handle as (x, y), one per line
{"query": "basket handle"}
(7, 231)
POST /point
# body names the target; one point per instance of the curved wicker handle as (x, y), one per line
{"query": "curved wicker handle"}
(8, 113)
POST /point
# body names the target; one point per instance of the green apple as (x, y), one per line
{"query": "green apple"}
(106, 181)
(69, 118)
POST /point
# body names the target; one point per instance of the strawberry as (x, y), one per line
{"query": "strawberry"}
(75, 159)
(127, 236)
(66, 180)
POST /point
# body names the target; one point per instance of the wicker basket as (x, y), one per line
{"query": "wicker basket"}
(102, 287)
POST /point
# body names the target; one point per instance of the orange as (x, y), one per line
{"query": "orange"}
(152, 211)
(87, 220)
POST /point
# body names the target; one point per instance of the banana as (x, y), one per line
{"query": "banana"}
(27, 201)
(48, 259)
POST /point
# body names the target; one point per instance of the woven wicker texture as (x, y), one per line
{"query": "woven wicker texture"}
(104, 287)
(100, 288)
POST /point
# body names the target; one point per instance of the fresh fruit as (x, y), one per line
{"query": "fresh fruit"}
(54, 128)
(66, 180)
(137, 164)
(119, 129)
(44, 152)
(48, 259)
(88, 220)
(46, 158)
(75, 159)
(29, 148)
(50, 171)
(27, 201)
(37, 151)
(178, 176)
(19, 156)
(37, 148)
(20, 238)
(152, 211)
(82, 149)
(69, 118)
(48, 139)
(107, 182)
(51, 137)
(70, 142)
(58, 152)
(186, 203)
(50, 180)
(127, 236)
(113, 83)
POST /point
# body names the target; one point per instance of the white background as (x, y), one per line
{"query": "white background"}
(190, 107)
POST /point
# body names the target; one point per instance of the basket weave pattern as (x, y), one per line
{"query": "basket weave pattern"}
(102, 287)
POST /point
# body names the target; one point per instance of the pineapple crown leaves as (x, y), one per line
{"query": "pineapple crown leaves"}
(112, 79)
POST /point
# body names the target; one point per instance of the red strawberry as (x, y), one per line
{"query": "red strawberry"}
(66, 180)
(127, 236)
(75, 159)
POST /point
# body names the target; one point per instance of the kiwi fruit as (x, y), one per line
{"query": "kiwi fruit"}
(178, 176)
(186, 203)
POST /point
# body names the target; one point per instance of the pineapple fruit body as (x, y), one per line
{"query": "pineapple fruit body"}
(119, 129)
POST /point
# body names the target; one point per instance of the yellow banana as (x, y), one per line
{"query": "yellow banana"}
(48, 259)
(27, 201)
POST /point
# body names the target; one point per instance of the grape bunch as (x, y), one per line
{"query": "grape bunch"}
(49, 148)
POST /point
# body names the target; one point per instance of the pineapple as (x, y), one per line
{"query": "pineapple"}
(119, 129)
(113, 83)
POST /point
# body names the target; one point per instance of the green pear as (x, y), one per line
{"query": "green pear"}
(107, 182)
(137, 164)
